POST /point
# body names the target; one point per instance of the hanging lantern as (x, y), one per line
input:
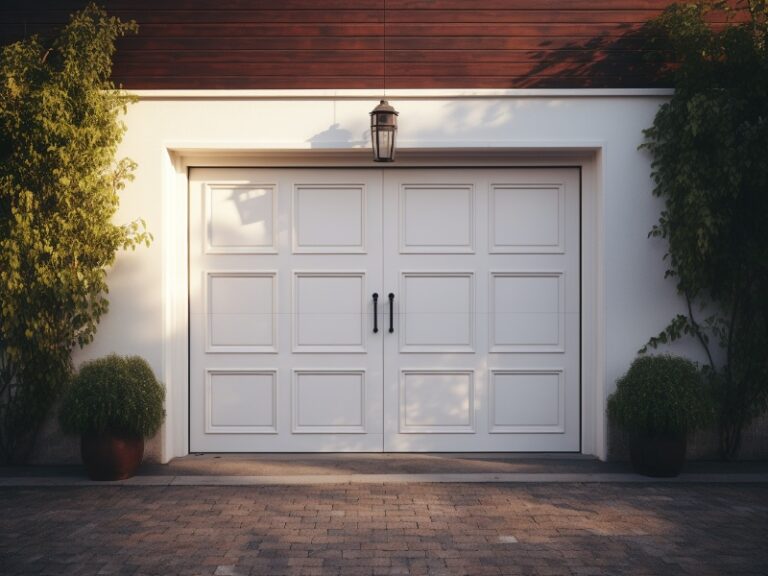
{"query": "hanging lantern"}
(383, 131)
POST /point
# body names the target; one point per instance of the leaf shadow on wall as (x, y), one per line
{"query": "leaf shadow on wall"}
(631, 57)
(335, 137)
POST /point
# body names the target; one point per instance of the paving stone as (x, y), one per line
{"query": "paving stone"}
(382, 529)
(230, 571)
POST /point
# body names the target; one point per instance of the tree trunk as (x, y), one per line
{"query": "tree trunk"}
(730, 439)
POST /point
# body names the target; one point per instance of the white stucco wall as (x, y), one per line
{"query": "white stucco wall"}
(636, 300)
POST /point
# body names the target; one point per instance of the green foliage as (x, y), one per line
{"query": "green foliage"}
(660, 394)
(709, 146)
(114, 394)
(59, 186)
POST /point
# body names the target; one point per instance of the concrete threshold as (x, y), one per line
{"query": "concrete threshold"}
(325, 479)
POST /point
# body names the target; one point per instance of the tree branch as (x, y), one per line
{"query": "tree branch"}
(697, 330)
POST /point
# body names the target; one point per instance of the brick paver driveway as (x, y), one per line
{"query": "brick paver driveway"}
(550, 529)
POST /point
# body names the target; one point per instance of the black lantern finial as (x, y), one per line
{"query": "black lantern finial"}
(383, 131)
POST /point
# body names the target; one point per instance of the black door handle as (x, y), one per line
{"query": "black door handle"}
(391, 312)
(375, 312)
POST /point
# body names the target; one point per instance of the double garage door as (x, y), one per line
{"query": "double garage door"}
(384, 310)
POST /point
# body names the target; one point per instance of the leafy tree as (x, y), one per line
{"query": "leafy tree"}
(709, 145)
(59, 185)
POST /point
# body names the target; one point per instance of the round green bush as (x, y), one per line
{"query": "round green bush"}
(115, 395)
(660, 394)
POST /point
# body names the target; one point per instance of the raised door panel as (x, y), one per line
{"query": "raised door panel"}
(330, 312)
(437, 401)
(527, 218)
(329, 401)
(527, 311)
(241, 401)
(329, 218)
(422, 233)
(240, 311)
(240, 218)
(437, 311)
(527, 401)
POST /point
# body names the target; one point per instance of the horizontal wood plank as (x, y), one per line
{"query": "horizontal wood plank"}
(56, 16)
(296, 44)
(243, 83)
(510, 16)
(195, 5)
(518, 16)
(205, 30)
(526, 82)
(223, 44)
(330, 82)
(563, 54)
(509, 69)
(460, 29)
(133, 45)
(629, 42)
(393, 56)
(463, 70)
(248, 56)
(528, 4)
(251, 69)
(281, 30)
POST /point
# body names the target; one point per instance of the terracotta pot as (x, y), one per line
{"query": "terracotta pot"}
(108, 457)
(658, 455)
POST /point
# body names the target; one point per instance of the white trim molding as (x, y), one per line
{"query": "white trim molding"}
(588, 157)
(400, 94)
(179, 157)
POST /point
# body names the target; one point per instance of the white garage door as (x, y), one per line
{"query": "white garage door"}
(395, 310)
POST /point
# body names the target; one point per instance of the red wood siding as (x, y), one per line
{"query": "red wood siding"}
(264, 44)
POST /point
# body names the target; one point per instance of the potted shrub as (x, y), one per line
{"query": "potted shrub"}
(114, 403)
(657, 402)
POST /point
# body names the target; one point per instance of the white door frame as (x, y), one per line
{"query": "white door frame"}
(177, 158)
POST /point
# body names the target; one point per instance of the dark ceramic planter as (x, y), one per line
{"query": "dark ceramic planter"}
(658, 455)
(108, 457)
